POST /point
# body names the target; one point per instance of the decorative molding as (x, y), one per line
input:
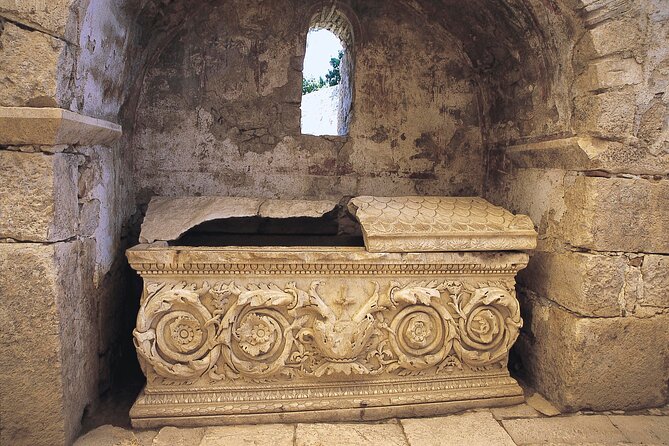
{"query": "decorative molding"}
(54, 126)
(260, 338)
(365, 269)
(160, 259)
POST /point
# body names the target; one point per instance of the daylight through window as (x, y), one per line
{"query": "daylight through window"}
(326, 75)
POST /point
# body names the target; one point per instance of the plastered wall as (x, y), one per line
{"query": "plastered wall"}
(219, 111)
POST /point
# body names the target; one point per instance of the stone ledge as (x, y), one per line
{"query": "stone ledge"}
(53, 126)
(586, 153)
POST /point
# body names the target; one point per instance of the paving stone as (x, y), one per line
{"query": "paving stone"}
(476, 428)
(643, 429)
(172, 436)
(566, 430)
(347, 434)
(541, 404)
(256, 435)
(518, 411)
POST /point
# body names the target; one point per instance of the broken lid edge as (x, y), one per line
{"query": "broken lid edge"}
(168, 218)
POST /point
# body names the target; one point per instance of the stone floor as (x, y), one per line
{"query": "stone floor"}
(535, 422)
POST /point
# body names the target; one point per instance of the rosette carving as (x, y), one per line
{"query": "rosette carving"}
(488, 325)
(421, 333)
(255, 332)
(173, 334)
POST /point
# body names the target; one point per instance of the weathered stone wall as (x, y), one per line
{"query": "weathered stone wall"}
(62, 208)
(50, 295)
(596, 332)
(219, 110)
(564, 101)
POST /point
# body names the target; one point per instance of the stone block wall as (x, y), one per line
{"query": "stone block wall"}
(62, 209)
(52, 266)
(591, 290)
(31, 385)
(596, 332)
(49, 363)
(39, 196)
(50, 352)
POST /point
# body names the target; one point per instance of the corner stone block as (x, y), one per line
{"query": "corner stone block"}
(611, 113)
(77, 313)
(614, 36)
(51, 16)
(38, 196)
(611, 73)
(32, 64)
(33, 292)
(616, 214)
(596, 363)
(587, 284)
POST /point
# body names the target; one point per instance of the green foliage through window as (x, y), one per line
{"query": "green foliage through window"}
(311, 85)
(332, 78)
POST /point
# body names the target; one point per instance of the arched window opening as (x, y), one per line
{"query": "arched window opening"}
(326, 75)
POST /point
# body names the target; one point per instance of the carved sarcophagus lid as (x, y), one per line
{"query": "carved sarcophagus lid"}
(255, 333)
(407, 224)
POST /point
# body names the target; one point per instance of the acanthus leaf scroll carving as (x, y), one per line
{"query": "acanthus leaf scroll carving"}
(259, 332)
(173, 333)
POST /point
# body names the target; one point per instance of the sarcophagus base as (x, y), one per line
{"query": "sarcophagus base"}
(261, 335)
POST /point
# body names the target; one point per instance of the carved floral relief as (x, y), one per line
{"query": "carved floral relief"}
(229, 332)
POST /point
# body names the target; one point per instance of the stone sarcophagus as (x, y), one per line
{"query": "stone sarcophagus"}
(418, 322)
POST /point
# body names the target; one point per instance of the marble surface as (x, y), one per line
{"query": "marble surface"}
(416, 223)
(167, 218)
(273, 334)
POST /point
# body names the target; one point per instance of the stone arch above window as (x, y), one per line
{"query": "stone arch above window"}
(333, 19)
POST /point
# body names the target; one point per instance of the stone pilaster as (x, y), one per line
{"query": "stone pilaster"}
(49, 317)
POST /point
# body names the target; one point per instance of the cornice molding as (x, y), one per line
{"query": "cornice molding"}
(54, 126)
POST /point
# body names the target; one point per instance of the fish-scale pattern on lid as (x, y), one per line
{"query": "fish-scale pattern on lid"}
(438, 219)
